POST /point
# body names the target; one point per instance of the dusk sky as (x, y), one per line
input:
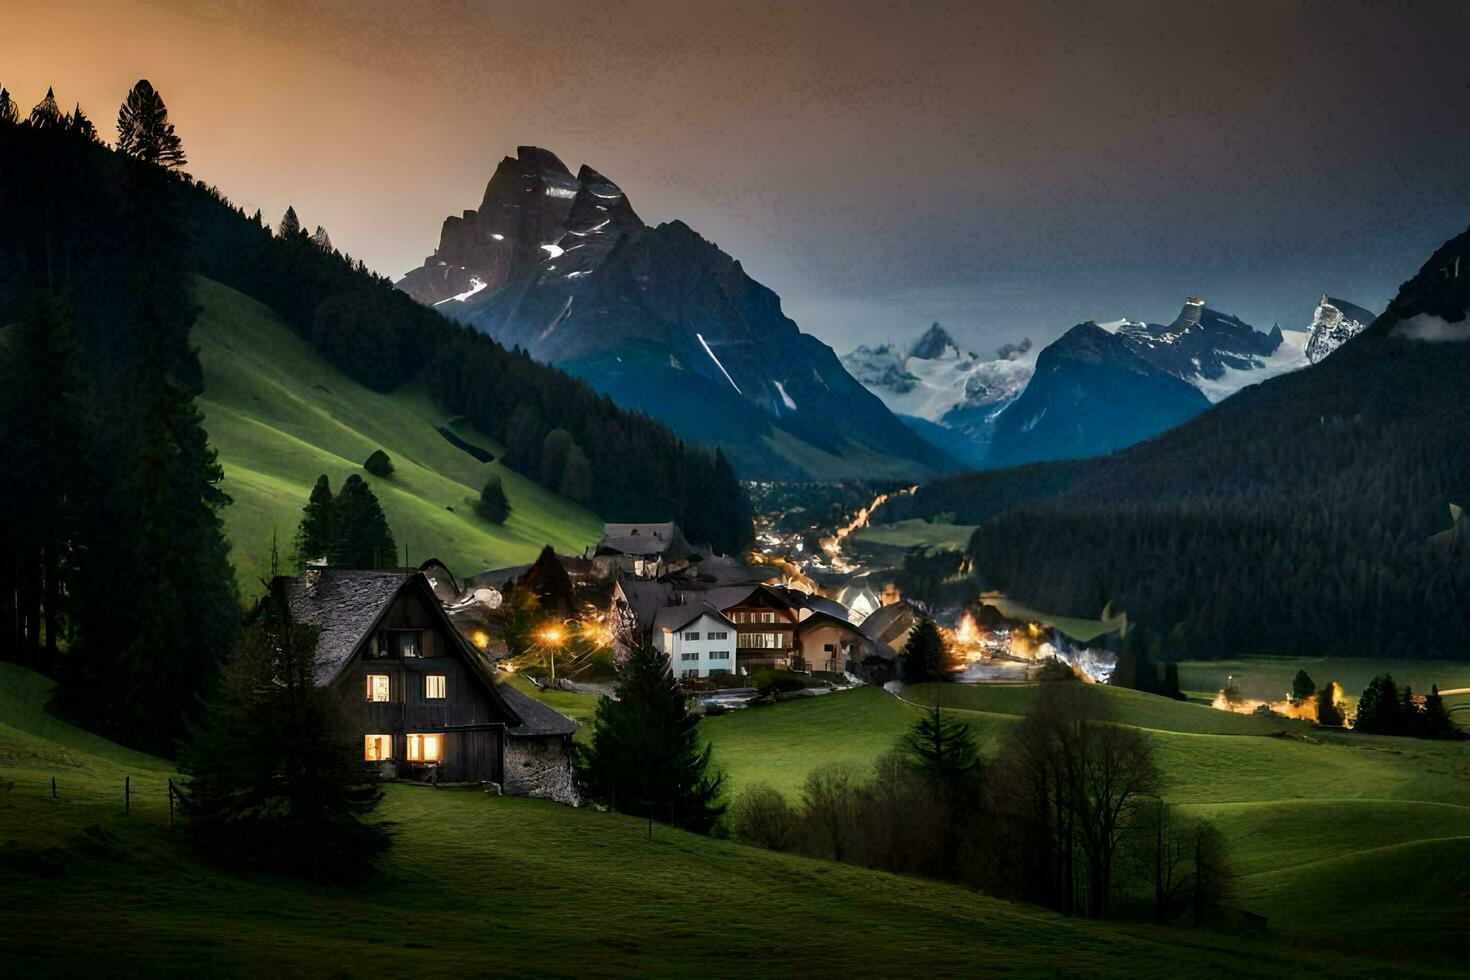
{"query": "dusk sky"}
(1007, 169)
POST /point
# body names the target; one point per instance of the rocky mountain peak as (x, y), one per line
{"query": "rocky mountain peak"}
(935, 343)
(1334, 323)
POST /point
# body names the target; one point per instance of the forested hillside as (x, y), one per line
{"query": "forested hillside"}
(116, 572)
(1293, 518)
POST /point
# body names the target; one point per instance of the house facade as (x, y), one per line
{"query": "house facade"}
(420, 698)
(698, 640)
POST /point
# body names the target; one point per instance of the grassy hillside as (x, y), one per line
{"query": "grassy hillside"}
(280, 415)
(1269, 678)
(1381, 824)
(490, 885)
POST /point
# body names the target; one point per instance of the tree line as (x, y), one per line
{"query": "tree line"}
(114, 569)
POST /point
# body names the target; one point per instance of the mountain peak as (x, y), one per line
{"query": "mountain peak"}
(1334, 323)
(933, 344)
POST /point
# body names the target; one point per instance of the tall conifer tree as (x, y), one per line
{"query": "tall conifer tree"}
(143, 129)
(646, 757)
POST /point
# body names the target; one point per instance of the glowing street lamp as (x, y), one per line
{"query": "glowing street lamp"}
(551, 637)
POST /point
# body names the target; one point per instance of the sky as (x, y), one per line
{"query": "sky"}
(1007, 169)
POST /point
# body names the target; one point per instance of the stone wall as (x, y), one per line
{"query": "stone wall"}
(540, 767)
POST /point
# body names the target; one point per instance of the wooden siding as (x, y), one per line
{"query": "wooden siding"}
(471, 724)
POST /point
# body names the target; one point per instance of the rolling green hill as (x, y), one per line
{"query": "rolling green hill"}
(1369, 819)
(489, 885)
(280, 415)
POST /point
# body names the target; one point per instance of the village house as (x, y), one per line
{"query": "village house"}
(645, 550)
(421, 699)
(758, 626)
(697, 638)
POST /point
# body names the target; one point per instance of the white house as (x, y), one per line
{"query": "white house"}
(697, 639)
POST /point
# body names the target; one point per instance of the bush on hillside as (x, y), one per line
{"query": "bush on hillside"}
(762, 816)
(379, 464)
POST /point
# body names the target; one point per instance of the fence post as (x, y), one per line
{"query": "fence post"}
(127, 794)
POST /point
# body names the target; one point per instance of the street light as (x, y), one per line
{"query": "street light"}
(551, 637)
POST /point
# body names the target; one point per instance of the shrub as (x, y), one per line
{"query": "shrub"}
(379, 464)
(763, 817)
(771, 681)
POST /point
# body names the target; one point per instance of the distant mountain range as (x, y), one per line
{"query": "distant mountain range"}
(950, 397)
(663, 322)
(1098, 388)
(1313, 512)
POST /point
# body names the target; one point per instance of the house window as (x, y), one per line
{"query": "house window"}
(828, 648)
(377, 687)
(425, 748)
(719, 654)
(689, 655)
(403, 642)
(768, 617)
(377, 748)
(719, 635)
(691, 636)
(433, 687)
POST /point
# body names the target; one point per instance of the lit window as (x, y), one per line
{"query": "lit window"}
(377, 748)
(377, 687)
(768, 617)
(425, 748)
(433, 687)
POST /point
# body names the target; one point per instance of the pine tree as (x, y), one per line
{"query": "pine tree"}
(923, 658)
(548, 579)
(1379, 708)
(321, 239)
(46, 114)
(290, 226)
(314, 533)
(271, 780)
(944, 749)
(360, 534)
(1437, 721)
(646, 757)
(1302, 686)
(143, 129)
(493, 502)
(78, 123)
(9, 111)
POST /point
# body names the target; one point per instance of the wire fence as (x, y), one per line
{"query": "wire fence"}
(152, 795)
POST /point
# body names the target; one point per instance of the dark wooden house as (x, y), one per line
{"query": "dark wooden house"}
(422, 699)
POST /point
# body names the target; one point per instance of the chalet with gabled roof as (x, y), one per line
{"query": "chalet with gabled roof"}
(423, 700)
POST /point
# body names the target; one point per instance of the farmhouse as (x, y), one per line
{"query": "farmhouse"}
(422, 700)
(698, 639)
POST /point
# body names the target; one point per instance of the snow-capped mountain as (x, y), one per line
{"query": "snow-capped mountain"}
(1335, 322)
(932, 381)
(660, 320)
(1217, 353)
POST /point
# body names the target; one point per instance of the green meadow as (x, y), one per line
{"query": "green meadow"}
(487, 885)
(279, 416)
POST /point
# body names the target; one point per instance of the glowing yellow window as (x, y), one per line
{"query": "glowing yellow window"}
(377, 687)
(377, 748)
(425, 748)
(433, 687)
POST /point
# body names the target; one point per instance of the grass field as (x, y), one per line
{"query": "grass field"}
(1383, 824)
(888, 543)
(280, 416)
(493, 886)
(1269, 678)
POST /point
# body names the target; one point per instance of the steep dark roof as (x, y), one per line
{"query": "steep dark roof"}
(677, 617)
(536, 718)
(341, 605)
